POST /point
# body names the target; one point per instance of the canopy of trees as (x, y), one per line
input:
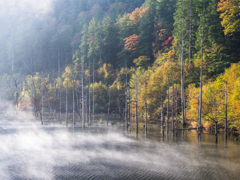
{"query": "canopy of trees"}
(90, 51)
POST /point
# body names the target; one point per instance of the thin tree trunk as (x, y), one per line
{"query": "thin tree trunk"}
(145, 105)
(67, 104)
(93, 86)
(109, 104)
(130, 116)
(176, 108)
(226, 108)
(216, 125)
(136, 115)
(216, 119)
(86, 104)
(89, 96)
(168, 100)
(173, 100)
(49, 104)
(80, 108)
(60, 99)
(200, 108)
(34, 108)
(73, 98)
(182, 82)
(100, 58)
(161, 109)
(31, 60)
(126, 96)
(58, 62)
(83, 118)
(42, 102)
(119, 109)
(190, 31)
(60, 96)
(55, 99)
(78, 111)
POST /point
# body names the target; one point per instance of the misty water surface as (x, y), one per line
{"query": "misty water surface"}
(32, 151)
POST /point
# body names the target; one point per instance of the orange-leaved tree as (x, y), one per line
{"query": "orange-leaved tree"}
(131, 42)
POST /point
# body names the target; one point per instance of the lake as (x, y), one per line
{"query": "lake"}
(30, 150)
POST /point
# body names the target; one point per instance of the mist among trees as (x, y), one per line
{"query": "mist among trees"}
(173, 60)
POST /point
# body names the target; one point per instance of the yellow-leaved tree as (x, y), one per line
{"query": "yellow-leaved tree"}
(213, 107)
(230, 15)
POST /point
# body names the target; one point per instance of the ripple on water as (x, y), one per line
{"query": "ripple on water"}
(31, 151)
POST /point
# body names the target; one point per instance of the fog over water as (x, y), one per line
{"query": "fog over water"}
(51, 151)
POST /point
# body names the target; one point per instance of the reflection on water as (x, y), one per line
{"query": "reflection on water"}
(31, 151)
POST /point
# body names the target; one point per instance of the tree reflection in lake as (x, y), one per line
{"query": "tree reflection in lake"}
(32, 151)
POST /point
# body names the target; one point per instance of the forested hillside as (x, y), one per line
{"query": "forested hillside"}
(174, 59)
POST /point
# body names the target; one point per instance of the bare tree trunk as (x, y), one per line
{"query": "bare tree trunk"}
(216, 119)
(118, 100)
(67, 104)
(109, 104)
(173, 100)
(60, 100)
(78, 107)
(100, 58)
(168, 100)
(73, 98)
(176, 108)
(130, 116)
(226, 108)
(190, 32)
(86, 105)
(89, 96)
(145, 105)
(42, 102)
(126, 96)
(33, 101)
(83, 118)
(119, 108)
(58, 63)
(200, 108)
(60, 93)
(161, 109)
(182, 82)
(93, 85)
(55, 99)
(136, 115)
(49, 104)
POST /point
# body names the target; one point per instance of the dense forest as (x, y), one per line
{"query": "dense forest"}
(172, 60)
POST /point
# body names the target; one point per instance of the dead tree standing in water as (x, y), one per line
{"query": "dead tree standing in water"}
(182, 82)
(109, 104)
(67, 103)
(83, 118)
(200, 108)
(226, 108)
(136, 115)
(145, 105)
(73, 98)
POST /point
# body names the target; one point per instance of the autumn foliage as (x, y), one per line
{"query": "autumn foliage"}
(230, 15)
(131, 42)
